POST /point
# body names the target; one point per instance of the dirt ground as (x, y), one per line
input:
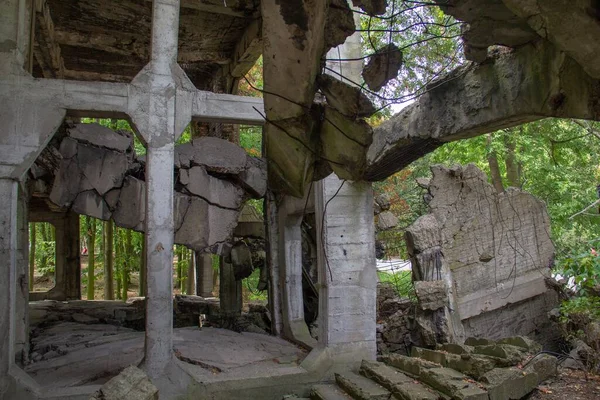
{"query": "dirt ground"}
(569, 384)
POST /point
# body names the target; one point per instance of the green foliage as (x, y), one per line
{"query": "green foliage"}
(586, 308)
(250, 284)
(401, 280)
(583, 269)
(428, 39)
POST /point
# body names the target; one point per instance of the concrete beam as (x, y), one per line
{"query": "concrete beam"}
(233, 8)
(512, 88)
(46, 49)
(247, 50)
(227, 108)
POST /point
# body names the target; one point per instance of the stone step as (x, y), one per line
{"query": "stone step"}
(473, 365)
(328, 392)
(361, 388)
(402, 386)
(409, 365)
(453, 384)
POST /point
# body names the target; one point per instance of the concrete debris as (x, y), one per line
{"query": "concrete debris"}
(348, 99)
(434, 374)
(105, 180)
(339, 24)
(491, 252)
(132, 384)
(432, 295)
(383, 66)
(386, 220)
(371, 7)
(218, 155)
(345, 142)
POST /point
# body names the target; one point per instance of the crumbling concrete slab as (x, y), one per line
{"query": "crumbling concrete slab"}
(132, 384)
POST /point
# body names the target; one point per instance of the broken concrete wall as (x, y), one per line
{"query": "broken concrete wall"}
(491, 254)
(94, 171)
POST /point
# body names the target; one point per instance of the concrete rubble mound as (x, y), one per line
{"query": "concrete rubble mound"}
(131, 384)
(486, 370)
(93, 170)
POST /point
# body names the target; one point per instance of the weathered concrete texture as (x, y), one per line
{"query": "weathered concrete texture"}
(571, 35)
(132, 383)
(106, 180)
(491, 252)
(511, 88)
(382, 67)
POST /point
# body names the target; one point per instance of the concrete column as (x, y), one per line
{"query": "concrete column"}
(230, 290)
(273, 265)
(347, 270)
(15, 26)
(204, 273)
(22, 282)
(294, 326)
(159, 256)
(8, 278)
(153, 111)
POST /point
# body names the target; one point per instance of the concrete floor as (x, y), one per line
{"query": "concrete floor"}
(74, 354)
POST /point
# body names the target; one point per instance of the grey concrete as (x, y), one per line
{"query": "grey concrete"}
(204, 275)
(347, 273)
(230, 290)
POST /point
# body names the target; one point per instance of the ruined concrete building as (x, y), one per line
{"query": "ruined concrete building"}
(164, 64)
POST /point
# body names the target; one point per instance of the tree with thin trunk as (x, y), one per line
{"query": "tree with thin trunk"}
(189, 289)
(492, 158)
(142, 289)
(32, 243)
(512, 166)
(91, 239)
(118, 264)
(109, 291)
(126, 264)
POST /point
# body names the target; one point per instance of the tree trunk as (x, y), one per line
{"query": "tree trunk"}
(512, 166)
(142, 289)
(118, 264)
(189, 289)
(179, 266)
(126, 264)
(109, 290)
(32, 245)
(91, 238)
(492, 159)
(44, 232)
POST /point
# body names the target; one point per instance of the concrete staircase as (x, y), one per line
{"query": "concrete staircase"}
(478, 370)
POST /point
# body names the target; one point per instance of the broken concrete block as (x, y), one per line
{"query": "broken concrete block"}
(90, 203)
(103, 168)
(383, 201)
(68, 148)
(215, 191)
(184, 177)
(346, 98)
(382, 67)
(66, 185)
(101, 136)
(386, 220)
(219, 155)
(132, 384)
(184, 154)
(131, 207)
(112, 198)
(192, 225)
(339, 23)
(222, 223)
(344, 144)
(254, 178)
(241, 259)
(371, 7)
(432, 295)
(423, 182)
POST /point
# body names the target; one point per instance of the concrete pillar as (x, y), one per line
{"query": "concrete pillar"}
(273, 244)
(294, 325)
(346, 250)
(8, 278)
(22, 282)
(230, 290)
(204, 274)
(153, 110)
(159, 256)
(347, 270)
